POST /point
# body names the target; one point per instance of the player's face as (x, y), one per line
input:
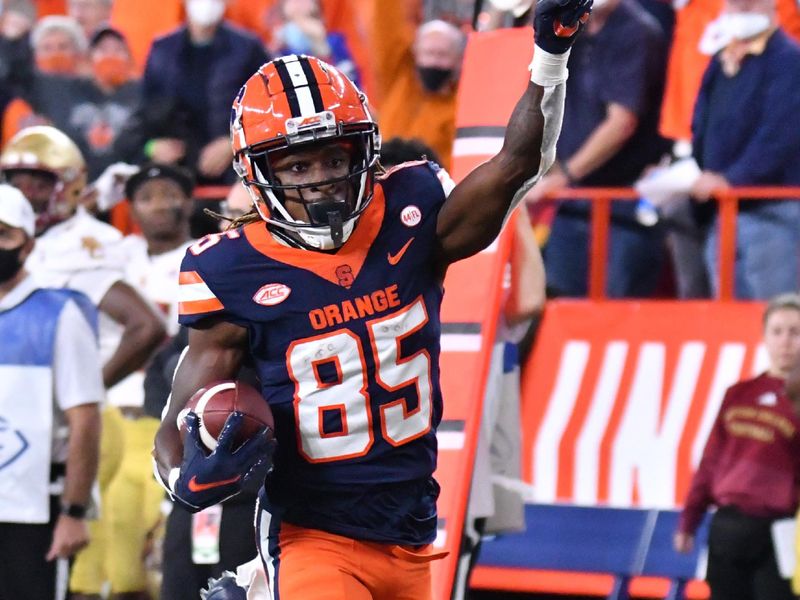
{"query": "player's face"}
(308, 166)
(161, 209)
(37, 186)
(782, 339)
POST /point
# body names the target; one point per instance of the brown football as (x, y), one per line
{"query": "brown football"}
(216, 401)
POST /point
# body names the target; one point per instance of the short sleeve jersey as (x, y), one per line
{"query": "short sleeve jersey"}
(347, 349)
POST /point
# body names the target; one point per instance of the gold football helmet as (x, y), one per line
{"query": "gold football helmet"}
(43, 148)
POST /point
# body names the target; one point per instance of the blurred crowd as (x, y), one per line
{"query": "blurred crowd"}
(105, 100)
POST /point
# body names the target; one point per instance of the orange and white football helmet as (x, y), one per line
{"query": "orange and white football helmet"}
(290, 103)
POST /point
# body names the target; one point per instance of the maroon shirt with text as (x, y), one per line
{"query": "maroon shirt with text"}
(752, 457)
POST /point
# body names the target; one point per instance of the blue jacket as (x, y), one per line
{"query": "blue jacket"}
(745, 126)
(234, 56)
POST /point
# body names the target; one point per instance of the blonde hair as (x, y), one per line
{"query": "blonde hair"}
(789, 301)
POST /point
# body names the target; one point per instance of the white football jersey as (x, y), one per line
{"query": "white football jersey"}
(81, 243)
(83, 254)
(155, 277)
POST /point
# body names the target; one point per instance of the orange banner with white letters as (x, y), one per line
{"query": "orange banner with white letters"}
(619, 397)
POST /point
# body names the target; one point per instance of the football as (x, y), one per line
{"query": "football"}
(216, 401)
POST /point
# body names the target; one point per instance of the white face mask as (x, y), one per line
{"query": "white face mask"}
(205, 12)
(744, 25)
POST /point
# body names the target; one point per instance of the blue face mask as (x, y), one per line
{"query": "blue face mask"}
(295, 40)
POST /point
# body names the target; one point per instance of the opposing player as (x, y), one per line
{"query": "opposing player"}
(334, 285)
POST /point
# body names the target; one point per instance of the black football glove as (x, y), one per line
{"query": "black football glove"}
(207, 479)
(556, 23)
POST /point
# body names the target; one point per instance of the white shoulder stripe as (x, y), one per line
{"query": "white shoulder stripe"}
(191, 292)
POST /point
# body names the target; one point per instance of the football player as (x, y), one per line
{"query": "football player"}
(333, 284)
(75, 250)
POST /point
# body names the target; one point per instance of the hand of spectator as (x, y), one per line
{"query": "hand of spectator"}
(708, 184)
(215, 157)
(15, 24)
(108, 190)
(69, 536)
(548, 185)
(167, 150)
(683, 542)
(557, 23)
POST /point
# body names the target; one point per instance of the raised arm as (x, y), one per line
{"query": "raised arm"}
(474, 213)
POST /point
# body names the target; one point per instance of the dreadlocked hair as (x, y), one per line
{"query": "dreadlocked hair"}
(249, 217)
(245, 219)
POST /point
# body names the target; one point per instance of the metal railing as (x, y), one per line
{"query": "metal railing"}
(601, 199)
(728, 202)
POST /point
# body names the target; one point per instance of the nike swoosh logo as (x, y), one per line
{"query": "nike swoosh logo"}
(194, 486)
(395, 258)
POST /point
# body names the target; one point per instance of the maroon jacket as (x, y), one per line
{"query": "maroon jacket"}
(752, 457)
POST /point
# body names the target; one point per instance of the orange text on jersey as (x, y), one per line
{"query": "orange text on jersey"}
(358, 308)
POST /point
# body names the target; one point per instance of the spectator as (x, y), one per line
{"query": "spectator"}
(160, 202)
(689, 58)
(93, 111)
(50, 441)
(417, 76)
(185, 571)
(91, 15)
(613, 97)
(348, 17)
(741, 137)
(302, 31)
(190, 80)
(749, 470)
(59, 46)
(16, 56)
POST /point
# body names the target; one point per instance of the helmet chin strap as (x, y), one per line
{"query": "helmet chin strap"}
(331, 212)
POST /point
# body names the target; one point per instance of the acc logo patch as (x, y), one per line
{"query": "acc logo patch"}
(272, 294)
(411, 216)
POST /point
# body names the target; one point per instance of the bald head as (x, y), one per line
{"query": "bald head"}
(438, 48)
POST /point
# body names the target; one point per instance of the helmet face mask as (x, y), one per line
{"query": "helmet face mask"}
(275, 122)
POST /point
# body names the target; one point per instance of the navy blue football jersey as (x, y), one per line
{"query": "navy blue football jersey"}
(346, 345)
